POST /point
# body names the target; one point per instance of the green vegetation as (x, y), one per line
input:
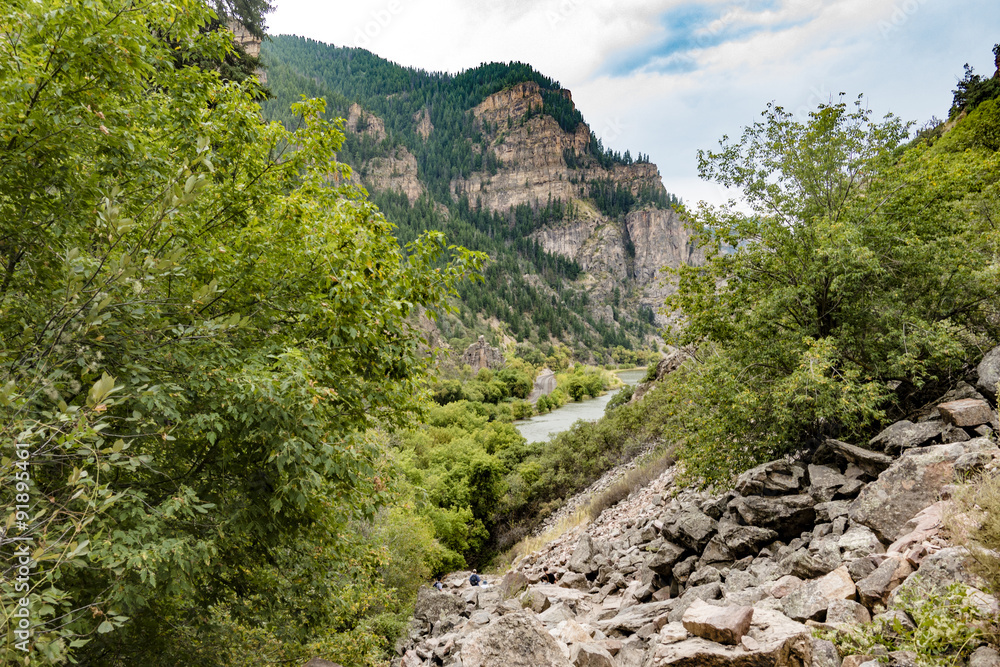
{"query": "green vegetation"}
(949, 626)
(200, 340)
(865, 278)
(974, 89)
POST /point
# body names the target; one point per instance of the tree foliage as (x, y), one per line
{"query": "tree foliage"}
(861, 276)
(197, 329)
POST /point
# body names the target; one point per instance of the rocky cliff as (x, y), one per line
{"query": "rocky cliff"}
(833, 539)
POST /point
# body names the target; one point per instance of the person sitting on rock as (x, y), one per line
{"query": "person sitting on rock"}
(475, 579)
(548, 577)
(438, 585)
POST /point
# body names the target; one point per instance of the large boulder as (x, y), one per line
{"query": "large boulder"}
(936, 573)
(433, 604)
(773, 640)
(745, 540)
(632, 618)
(905, 435)
(912, 483)
(662, 561)
(966, 413)
(514, 640)
(512, 584)
(691, 528)
(725, 625)
(591, 655)
(811, 600)
(842, 453)
(989, 374)
(787, 515)
(582, 560)
(772, 479)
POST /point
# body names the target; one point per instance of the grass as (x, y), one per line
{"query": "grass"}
(639, 477)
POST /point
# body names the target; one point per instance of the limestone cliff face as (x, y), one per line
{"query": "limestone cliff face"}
(362, 122)
(531, 150)
(397, 171)
(423, 120)
(660, 240)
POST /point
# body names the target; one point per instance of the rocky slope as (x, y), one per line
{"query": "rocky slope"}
(829, 539)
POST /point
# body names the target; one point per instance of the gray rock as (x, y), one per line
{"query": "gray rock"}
(862, 567)
(905, 435)
(824, 654)
(725, 625)
(841, 453)
(847, 611)
(952, 434)
(811, 600)
(972, 462)
(984, 656)
(630, 619)
(432, 604)
(829, 512)
(662, 561)
(691, 528)
(512, 584)
(745, 540)
(912, 483)
(936, 573)
(903, 659)
(787, 515)
(774, 478)
(591, 655)
(895, 621)
(966, 412)
(804, 565)
(481, 355)
(989, 374)
(575, 580)
(515, 640)
(716, 552)
(859, 542)
(773, 639)
(582, 559)
(738, 580)
(825, 482)
(705, 575)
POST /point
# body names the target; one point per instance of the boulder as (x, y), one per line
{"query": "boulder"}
(905, 435)
(825, 482)
(847, 611)
(785, 585)
(805, 565)
(936, 573)
(432, 604)
(773, 639)
(829, 512)
(514, 640)
(989, 374)
(662, 561)
(984, 656)
(575, 580)
(875, 588)
(512, 584)
(725, 625)
(824, 654)
(840, 453)
(966, 413)
(320, 662)
(582, 559)
(787, 515)
(744, 540)
(591, 655)
(773, 479)
(912, 483)
(691, 528)
(571, 632)
(811, 600)
(632, 618)
(859, 542)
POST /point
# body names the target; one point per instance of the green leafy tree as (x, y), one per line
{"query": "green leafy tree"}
(849, 270)
(197, 328)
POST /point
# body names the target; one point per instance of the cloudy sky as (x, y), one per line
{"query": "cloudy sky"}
(667, 77)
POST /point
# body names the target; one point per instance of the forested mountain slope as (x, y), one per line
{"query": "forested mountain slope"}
(500, 159)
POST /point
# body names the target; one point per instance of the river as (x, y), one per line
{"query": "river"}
(542, 427)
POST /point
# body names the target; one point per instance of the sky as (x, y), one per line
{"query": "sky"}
(670, 77)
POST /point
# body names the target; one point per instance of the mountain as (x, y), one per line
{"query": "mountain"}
(500, 158)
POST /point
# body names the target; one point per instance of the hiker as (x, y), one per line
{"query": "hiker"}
(548, 577)
(438, 585)
(475, 579)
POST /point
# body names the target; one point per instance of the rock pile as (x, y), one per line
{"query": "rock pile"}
(739, 578)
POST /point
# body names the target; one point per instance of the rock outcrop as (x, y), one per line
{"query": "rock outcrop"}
(481, 355)
(397, 171)
(739, 578)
